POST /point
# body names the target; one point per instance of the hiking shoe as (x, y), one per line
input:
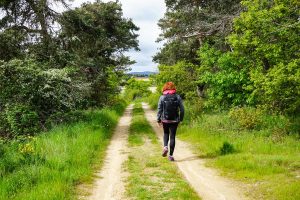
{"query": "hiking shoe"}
(171, 158)
(165, 152)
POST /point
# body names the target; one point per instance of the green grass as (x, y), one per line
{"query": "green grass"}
(151, 176)
(152, 100)
(51, 165)
(270, 163)
(267, 158)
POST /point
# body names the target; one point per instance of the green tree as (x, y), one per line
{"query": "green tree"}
(183, 75)
(28, 91)
(97, 35)
(28, 24)
(266, 35)
(225, 78)
(187, 24)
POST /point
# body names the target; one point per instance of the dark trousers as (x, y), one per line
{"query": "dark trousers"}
(170, 132)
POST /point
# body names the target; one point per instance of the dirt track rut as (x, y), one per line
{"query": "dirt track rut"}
(110, 184)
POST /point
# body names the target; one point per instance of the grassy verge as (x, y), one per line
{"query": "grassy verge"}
(269, 163)
(266, 158)
(50, 165)
(151, 176)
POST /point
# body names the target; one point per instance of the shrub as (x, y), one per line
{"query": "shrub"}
(22, 119)
(246, 117)
(33, 94)
(136, 89)
(64, 118)
(183, 74)
(4, 128)
(193, 108)
(227, 148)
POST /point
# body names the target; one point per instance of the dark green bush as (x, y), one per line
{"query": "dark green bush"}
(30, 94)
(227, 148)
(65, 117)
(22, 119)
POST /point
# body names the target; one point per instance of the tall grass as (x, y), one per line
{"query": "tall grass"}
(268, 160)
(152, 100)
(50, 165)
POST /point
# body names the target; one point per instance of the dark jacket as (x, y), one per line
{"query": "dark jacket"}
(160, 113)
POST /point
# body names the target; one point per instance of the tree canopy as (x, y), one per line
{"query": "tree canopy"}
(246, 53)
(59, 62)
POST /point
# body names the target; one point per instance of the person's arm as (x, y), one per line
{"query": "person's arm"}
(181, 109)
(159, 109)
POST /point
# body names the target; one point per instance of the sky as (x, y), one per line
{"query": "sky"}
(145, 14)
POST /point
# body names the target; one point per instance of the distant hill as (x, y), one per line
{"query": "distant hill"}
(142, 74)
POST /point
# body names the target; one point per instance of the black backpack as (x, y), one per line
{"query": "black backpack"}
(170, 107)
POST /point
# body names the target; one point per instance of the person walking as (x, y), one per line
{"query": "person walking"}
(170, 114)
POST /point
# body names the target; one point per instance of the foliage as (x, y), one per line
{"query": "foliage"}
(61, 158)
(266, 35)
(29, 91)
(10, 44)
(136, 89)
(22, 119)
(248, 118)
(32, 24)
(187, 24)
(182, 74)
(98, 34)
(262, 66)
(225, 78)
(53, 63)
(279, 89)
(176, 50)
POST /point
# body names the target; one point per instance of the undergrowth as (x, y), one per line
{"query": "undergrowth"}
(50, 165)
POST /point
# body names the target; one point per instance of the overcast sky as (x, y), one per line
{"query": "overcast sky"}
(145, 14)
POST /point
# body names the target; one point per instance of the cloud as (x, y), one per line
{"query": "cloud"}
(145, 14)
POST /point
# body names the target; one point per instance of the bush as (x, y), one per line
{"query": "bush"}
(136, 89)
(22, 119)
(30, 94)
(246, 117)
(64, 118)
(227, 148)
(4, 128)
(182, 74)
(193, 108)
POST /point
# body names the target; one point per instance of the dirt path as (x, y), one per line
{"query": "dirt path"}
(205, 181)
(110, 184)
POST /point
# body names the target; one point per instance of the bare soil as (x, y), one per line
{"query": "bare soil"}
(109, 183)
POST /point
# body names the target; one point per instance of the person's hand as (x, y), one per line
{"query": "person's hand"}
(159, 124)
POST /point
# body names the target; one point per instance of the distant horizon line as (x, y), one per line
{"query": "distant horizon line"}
(141, 71)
